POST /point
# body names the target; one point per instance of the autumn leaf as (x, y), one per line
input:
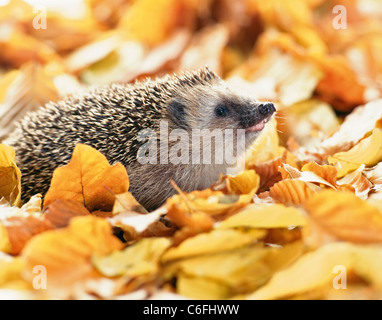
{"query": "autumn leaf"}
(368, 152)
(140, 259)
(212, 242)
(315, 270)
(88, 179)
(340, 86)
(11, 278)
(151, 22)
(356, 126)
(10, 176)
(246, 182)
(265, 216)
(59, 212)
(19, 225)
(346, 216)
(239, 270)
(32, 86)
(292, 192)
(66, 253)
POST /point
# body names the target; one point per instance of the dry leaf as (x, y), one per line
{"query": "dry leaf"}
(346, 216)
(32, 87)
(240, 270)
(317, 269)
(140, 259)
(265, 216)
(292, 192)
(66, 253)
(212, 242)
(368, 152)
(10, 185)
(88, 179)
(356, 126)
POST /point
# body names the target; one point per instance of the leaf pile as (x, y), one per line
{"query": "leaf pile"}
(302, 220)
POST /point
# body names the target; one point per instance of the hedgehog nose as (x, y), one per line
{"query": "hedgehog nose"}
(266, 108)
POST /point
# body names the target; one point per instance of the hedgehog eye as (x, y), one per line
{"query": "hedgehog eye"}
(221, 111)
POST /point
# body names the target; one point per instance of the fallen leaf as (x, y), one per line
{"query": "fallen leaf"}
(66, 253)
(346, 216)
(265, 216)
(316, 270)
(10, 176)
(355, 127)
(212, 242)
(240, 270)
(139, 259)
(88, 179)
(292, 192)
(368, 152)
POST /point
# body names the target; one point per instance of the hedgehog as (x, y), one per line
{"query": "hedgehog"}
(112, 119)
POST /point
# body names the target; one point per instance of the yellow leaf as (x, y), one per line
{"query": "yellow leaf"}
(212, 242)
(315, 270)
(308, 121)
(88, 179)
(244, 183)
(346, 216)
(368, 152)
(66, 253)
(292, 192)
(10, 185)
(151, 22)
(201, 288)
(32, 87)
(242, 269)
(211, 202)
(125, 202)
(265, 216)
(356, 126)
(139, 259)
(11, 273)
(268, 143)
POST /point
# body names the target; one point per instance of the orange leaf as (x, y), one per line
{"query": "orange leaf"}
(21, 229)
(291, 192)
(66, 253)
(28, 221)
(346, 216)
(179, 216)
(88, 179)
(328, 173)
(191, 223)
(340, 86)
(59, 212)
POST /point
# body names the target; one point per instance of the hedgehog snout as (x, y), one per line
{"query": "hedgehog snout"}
(257, 116)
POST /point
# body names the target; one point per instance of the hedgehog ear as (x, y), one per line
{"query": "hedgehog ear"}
(177, 113)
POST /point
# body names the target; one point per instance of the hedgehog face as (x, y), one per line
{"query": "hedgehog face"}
(216, 107)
